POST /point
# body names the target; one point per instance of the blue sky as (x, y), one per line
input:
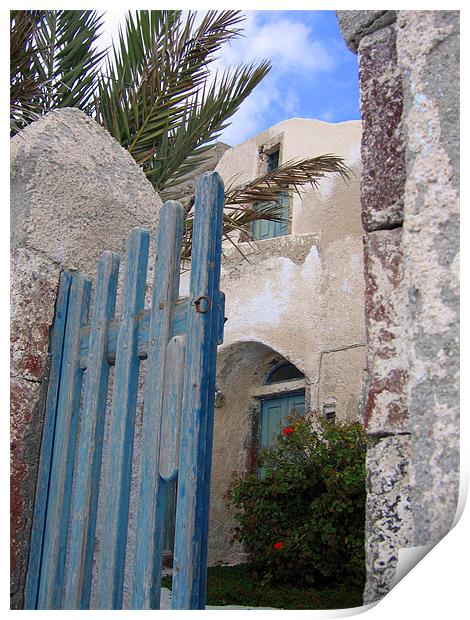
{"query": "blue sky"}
(313, 74)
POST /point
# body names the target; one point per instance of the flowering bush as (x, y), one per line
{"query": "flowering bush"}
(302, 520)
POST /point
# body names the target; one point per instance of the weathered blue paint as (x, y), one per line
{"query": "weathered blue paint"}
(164, 295)
(215, 335)
(90, 443)
(60, 485)
(44, 468)
(170, 433)
(178, 326)
(201, 342)
(179, 340)
(171, 413)
(168, 461)
(116, 498)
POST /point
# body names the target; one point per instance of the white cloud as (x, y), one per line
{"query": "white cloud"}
(249, 118)
(289, 45)
(290, 102)
(293, 49)
(287, 42)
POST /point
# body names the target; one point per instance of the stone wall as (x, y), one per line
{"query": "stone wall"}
(409, 76)
(74, 193)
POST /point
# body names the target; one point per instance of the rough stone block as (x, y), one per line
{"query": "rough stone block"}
(357, 24)
(34, 281)
(26, 400)
(428, 54)
(385, 308)
(389, 521)
(75, 191)
(382, 146)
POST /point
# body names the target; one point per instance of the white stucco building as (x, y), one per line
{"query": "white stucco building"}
(294, 339)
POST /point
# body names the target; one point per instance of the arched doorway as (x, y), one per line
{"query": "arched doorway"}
(256, 386)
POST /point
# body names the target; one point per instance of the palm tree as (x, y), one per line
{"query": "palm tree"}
(53, 63)
(155, 95)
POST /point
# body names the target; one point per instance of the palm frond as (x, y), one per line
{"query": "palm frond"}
(53, 62)
(156, 97)
(203, 121)
(68, 58)
(25, 85)
(151, 88)
(258, 199)
(288, 177)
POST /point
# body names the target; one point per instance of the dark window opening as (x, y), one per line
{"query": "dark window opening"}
(273, 161)
(329, 411)
(284, 372)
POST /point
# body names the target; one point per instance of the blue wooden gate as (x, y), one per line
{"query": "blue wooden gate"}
(178, 338)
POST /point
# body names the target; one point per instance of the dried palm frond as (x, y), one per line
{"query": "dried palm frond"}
(258, 199)
(288, 177)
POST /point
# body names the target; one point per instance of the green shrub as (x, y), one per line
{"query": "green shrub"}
(302, 518)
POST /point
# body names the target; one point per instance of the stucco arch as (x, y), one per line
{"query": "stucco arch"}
(241, 369)
(233, 358)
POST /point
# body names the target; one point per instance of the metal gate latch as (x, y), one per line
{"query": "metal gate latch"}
(203, 304)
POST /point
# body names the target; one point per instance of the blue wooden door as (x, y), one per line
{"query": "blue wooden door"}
(275, 413)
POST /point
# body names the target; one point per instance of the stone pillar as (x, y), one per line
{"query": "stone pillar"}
(428, 57)
(74, 193)
(409, 108)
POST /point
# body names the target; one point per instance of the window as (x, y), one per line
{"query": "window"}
(281, 408)
(267, 229)
(284, 371)
(273, 161)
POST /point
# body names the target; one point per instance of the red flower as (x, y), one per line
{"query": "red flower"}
(278, 545)
(286, 431)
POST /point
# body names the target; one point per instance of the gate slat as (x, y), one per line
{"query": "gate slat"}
(58, 503)
(202, 333)
(145, 594)
(217, 326)
(39, 517)
(88, 467)
(171, 414)
(169, 451)
(116, 498)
